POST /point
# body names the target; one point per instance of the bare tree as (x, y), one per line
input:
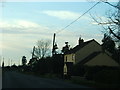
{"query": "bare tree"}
(42, 48)
(112, 25)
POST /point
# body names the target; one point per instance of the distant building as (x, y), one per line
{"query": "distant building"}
(87, 53)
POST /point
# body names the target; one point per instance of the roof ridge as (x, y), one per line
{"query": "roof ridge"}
(77, 47)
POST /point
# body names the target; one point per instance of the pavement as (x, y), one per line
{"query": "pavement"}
(13, 79)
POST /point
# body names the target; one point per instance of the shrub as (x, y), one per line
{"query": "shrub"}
(78, 70)
(109, 76)
(91, 71)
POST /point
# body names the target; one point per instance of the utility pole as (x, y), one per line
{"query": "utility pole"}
(53, 50)
(54, 45)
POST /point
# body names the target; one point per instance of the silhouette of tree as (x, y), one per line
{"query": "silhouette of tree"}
(108, 43)
(14, 66)
(112, 24)
(43, 66)
(66, 48)
(24, 61)
(42, 48)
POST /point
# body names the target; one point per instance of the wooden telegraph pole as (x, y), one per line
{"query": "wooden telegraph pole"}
(53, 49)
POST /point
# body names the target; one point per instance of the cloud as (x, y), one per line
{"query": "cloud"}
(62, 14)
(20, 24)
(22, 27)
(22, 34)
(27, 24)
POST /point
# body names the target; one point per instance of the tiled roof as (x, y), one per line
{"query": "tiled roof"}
(78, 47)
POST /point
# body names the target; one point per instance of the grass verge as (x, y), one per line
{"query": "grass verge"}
(92, 84)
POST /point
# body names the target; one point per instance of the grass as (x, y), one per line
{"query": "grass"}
(93, 84)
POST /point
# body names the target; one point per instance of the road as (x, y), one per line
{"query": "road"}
(19, 80)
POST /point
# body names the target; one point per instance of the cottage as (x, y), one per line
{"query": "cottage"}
(87, 53)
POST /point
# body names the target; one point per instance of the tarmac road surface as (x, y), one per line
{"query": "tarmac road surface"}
(18, 80)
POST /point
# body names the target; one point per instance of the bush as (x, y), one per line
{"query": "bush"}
(108, 76)
(78, 70)
(91, 71)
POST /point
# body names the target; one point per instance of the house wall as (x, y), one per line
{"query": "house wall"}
(87, 50)
(69, 58)
(102, 60)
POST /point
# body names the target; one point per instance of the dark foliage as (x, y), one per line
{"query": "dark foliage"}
(103, 74)
(43, 66)
(91, 71)
(108, 43)
(110, 76)
(58, 63)
(78, 70)
(24, 61)
(53, 65)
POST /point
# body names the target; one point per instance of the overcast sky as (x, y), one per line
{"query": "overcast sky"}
(23, 23)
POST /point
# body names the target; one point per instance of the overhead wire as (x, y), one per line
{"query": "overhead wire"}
(77, 18)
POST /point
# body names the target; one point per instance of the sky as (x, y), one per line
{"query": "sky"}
(22, 24)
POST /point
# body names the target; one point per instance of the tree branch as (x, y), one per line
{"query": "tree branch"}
(113, 33)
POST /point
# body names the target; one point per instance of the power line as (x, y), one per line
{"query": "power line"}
(77, 18)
